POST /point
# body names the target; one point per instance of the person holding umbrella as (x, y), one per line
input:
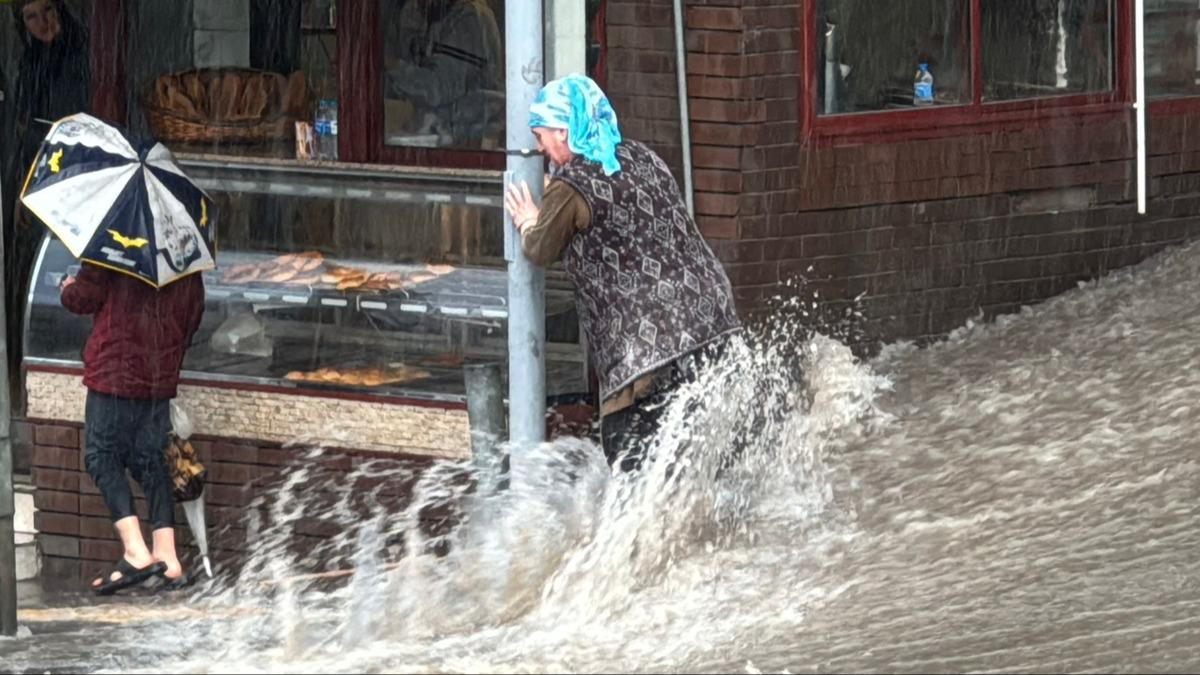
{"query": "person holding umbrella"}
(144, 231)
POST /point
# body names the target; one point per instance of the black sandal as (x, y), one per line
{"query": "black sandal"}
(130, 576)
(160, 583)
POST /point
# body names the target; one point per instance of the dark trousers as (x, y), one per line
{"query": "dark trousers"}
(628, 433)
(129, 434)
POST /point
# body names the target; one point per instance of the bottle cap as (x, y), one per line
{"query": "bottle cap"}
(923, 66)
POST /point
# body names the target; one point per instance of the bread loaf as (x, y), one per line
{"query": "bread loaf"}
(194, 89)
(228, 94)
(276, 89)
(180, 104)
(162, 90)
(252, 102)
(295, 98)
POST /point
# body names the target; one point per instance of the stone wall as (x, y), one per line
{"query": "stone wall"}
(277, 417)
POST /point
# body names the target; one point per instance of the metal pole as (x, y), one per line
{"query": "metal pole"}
(8, 546)
(1139, 104)
(523, 38)
(485, 415)
(831, 69)
(685, 131)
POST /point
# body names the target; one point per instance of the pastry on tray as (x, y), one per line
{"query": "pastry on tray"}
(280, 276)
(447, 360)
(283, 269)
(307, 264)
(372, 376)
(304, 280)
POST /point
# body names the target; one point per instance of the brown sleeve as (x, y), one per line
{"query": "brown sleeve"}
(564, 212)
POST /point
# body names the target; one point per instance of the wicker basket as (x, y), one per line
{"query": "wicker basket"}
(172, 127)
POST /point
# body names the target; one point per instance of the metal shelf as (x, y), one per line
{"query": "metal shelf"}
(344, 180)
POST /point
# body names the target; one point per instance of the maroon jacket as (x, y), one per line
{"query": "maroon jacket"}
(139, 333)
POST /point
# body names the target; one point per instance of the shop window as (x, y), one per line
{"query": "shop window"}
(232, 77)
(870, 56)
(870, 53)
(1172, 53)
(1034, 48)
(443, 73)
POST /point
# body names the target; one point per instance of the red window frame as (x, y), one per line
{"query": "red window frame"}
(950, 119)
(106, 27)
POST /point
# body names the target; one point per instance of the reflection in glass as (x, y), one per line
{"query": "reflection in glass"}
(870, 52)
(1172, 54)
(200, 86)
(1034, 48)
(443, 73)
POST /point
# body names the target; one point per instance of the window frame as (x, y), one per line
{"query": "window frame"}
(360, 100)
(950, 120)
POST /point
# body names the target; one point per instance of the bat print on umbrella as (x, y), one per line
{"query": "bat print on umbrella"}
(119, 204)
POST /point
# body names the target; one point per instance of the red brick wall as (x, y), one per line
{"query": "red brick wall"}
(925, 231)
(78, 542)
(76, 535)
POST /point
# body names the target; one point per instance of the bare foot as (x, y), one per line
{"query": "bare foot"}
(174, 570)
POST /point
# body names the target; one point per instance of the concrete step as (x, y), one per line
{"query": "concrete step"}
(28, 560)
(29, 563)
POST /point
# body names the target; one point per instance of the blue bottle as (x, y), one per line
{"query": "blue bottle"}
(923, 85)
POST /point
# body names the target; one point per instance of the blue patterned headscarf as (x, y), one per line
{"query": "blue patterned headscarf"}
(577, 104)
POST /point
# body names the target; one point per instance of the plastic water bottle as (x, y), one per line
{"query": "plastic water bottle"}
(325, 128)
(923, 85)
(333, 130)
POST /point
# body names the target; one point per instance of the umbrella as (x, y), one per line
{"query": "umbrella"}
(129, 210)
(187, 476)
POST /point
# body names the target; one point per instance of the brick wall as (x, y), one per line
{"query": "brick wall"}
(924, 231)
(75, 532)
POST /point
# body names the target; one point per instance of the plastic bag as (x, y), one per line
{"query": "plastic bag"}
(188, 475)
(243, 334)
(181, 422)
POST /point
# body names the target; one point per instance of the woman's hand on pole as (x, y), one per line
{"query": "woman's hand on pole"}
(521, 207)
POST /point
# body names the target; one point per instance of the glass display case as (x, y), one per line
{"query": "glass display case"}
(373, 280)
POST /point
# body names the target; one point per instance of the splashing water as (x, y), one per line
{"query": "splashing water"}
(570, 563)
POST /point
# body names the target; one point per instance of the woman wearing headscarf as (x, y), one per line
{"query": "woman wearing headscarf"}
(54, 81)
(652, 297)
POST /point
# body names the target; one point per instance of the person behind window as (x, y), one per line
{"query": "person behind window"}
(446, 59)
(53, 81)
(55, 76)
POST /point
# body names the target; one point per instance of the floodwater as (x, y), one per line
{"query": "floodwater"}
(1024, 496)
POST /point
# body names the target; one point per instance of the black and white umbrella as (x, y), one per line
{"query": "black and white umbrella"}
(130, 210)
